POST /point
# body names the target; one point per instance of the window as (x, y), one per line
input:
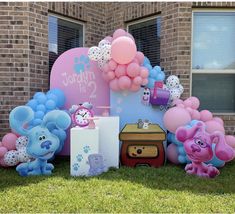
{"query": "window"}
(63, 35)
(213, 60)
(147, 37)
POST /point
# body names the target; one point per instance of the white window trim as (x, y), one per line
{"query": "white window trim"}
(140, 21)
(73, 21)
(207, 71)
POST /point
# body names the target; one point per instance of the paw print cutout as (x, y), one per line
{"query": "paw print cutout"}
(81, 64)
(76, 167)
(86, 149)
(79, 157)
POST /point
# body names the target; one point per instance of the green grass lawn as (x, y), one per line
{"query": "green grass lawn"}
(142, 189)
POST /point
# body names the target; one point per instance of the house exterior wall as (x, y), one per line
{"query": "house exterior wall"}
(24, 42)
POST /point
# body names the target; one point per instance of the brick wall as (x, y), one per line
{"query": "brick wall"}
(24, 42)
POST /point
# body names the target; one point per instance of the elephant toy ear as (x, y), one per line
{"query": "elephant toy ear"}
(222, 150)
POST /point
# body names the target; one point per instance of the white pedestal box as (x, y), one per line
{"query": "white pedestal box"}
(83, 142)
(109, 140)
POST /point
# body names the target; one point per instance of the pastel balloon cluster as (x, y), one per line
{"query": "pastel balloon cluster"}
(174, 86)
(155, 73)
(185, 112)
(13, 150)
(123, 68)
(43, 103)
(177, 155)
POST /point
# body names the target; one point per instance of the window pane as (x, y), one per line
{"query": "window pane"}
(213, 40)
(63, 35)
(147, 37)
(216, 91)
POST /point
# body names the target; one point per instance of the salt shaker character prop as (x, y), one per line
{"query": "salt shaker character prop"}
(146, 96)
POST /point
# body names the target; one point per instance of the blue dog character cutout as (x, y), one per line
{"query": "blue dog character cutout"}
(42, 144)
(96, 163)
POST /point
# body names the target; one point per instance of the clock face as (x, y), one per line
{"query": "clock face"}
(81, 115)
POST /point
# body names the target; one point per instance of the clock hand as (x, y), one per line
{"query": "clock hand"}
(84, 114)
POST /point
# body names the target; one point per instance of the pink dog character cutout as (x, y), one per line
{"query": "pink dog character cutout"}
(198, 147)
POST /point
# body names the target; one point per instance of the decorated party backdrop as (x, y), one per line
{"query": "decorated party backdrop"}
(81, 81)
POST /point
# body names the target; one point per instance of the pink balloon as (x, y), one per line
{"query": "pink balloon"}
(112, 64)
(230, 140)
(124, 82)
(118, 33)
(176, 117)
(9, 141)
(144, 73)
(137, 80)
(145, 81)
(133, 70)
(196, 115)
(108, 38)
(212, 126)
(195, 102)
(2, 163)
(123, 50)
(120, 70)
(105, 77)
(219, 120)
(206, 115)
(188, 103)
(140, 57)
(130, 36)
(105, 68)
(134, 87)
(177, 101)
(190, 110)
(172, 153)
(180, 105)
(110, 75)
(135, 61)
(113, 84)
(3, 151)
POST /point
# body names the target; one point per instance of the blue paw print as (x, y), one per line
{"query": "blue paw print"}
(79, 157)
(76, 167)
(81, 64)
(86, 149)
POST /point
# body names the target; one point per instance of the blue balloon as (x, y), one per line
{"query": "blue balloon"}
(41, 107)
(50, 104)
(157, 68)
(215, 161)
(39, 114)
(32, 104)
(160, 76)
(37, 121)
(42, 98)
(60, 96)
(149, 67)
(182, 159)
(146, 61)
(151, 82)
(181, 150)
(153, 73)
(37, 94)
(53, 97)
